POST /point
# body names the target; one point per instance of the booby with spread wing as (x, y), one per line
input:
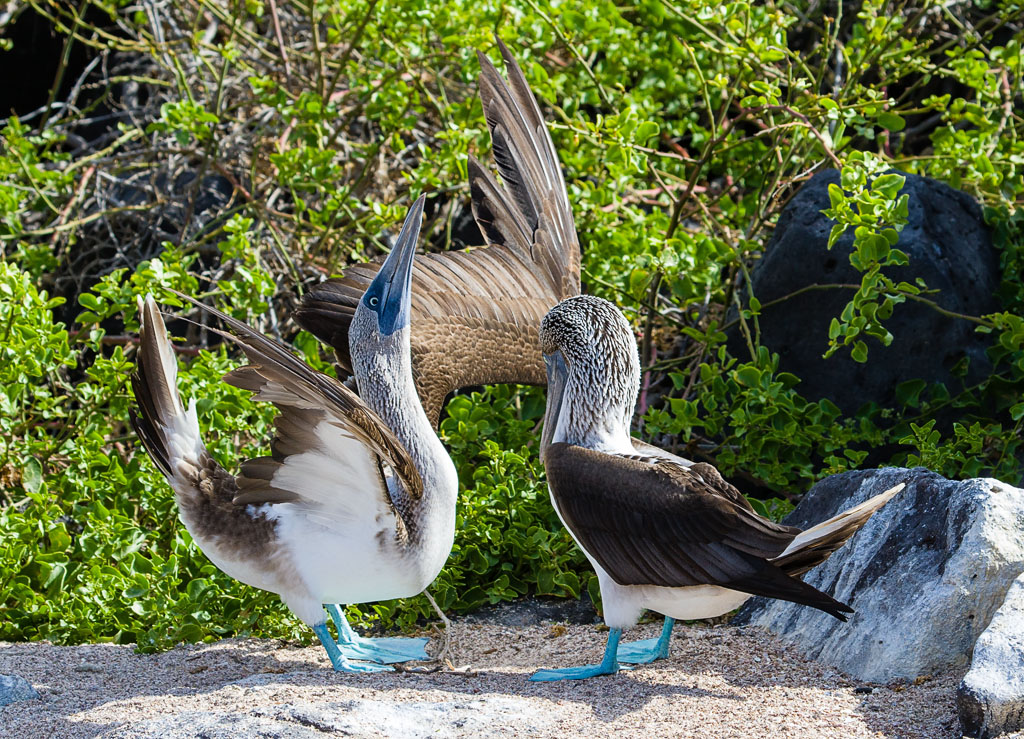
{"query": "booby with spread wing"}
(356, 502)
(664, 536)
(475, 313)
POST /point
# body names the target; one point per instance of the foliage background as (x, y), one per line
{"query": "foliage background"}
(241, 150)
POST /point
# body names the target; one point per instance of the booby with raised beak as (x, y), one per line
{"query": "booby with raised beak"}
(356, 502)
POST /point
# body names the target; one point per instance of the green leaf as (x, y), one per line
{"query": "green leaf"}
(88, 300)
(836, 196)
(891, 121)
(759, 507)
(833, 236)
(646, 131)
(908, 393)
(31, 475)
(749, 376)
(888, 185)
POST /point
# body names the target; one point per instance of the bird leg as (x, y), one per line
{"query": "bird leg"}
(385, 650)
(338, 660)
(648, 650)
(609, 665)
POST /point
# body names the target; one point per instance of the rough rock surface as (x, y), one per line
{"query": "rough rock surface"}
(925, 575)
(412, 720)
(990, 699)
(949, 247)
(15, 688)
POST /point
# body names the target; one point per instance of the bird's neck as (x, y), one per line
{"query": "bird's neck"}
(386, 385)
(596, 419)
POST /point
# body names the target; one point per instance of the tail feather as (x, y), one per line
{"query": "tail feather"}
(813, 546)
(168, 430)
(772, 581)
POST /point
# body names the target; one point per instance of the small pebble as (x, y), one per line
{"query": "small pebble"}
(88, 667)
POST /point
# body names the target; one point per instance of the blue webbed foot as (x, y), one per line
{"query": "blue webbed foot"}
(384, 650)
(647, 650)
(574, 673)
(338, 660)
(609, 665)
(346, 666)
(642, 652)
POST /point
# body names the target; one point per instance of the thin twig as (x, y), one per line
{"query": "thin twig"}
(280, 41)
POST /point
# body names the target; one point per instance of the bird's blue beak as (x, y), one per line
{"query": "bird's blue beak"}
(558, 375)
(390, 293)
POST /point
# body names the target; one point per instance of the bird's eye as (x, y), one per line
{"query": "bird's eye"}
(373, 301)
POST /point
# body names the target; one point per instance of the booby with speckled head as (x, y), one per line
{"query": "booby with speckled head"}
(671, 537)
(356, 502)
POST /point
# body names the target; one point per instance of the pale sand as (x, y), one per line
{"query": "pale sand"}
(719, 682)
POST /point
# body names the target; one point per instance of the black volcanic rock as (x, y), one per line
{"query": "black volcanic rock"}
(949, 247)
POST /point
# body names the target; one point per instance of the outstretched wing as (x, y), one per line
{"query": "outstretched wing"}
(327, 439)
(476, 312)
(673, 526)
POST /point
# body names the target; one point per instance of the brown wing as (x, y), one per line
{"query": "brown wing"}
(651, 454)
(476, 312)
(318, 413)
(662, 524)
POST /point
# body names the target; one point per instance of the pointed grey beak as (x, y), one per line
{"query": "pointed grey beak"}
(558, 375)
(390, 293)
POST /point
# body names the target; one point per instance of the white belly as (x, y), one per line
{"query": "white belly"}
(314, 563)
(358, 565)
(623, 604)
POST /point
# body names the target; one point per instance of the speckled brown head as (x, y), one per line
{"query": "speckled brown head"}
(593, 374)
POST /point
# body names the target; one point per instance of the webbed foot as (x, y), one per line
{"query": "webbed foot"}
(646, 651)
(384, 650)
(574, 673)
(338, 660)
(609, 665)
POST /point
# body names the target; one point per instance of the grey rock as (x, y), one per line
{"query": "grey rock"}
(925, 575)
(15, 688)
(990, 700)
(949, 246)
(485, 717)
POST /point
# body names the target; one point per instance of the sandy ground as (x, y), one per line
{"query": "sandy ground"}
(719, 682)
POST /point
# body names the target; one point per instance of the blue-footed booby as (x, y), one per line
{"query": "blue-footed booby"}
(475, 312)
(673, 538)
(356, 502)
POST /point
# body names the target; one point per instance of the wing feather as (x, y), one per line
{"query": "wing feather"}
(672, 526)
(476, 312)
(325, 435)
